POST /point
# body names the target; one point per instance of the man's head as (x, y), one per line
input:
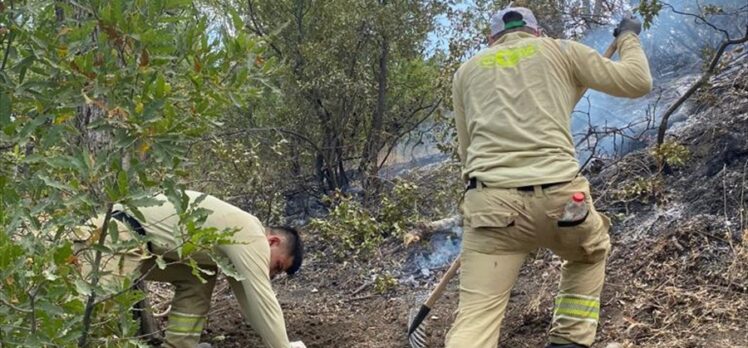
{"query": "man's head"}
(286, 250)
(513, 19)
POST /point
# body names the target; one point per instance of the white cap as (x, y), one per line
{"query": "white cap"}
(519, 17)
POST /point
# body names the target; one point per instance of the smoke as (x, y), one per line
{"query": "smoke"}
(677, 46)
(442, 249)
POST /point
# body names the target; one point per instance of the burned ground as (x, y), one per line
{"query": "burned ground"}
(677, 274)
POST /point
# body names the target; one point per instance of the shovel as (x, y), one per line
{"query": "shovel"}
(417, 333)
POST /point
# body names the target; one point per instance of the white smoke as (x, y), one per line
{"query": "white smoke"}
(677, 46)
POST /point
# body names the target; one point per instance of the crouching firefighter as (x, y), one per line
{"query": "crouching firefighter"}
(257, 254)
(513, 103)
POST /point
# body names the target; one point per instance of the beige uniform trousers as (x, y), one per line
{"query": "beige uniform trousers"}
(502, 226)
(191, 302)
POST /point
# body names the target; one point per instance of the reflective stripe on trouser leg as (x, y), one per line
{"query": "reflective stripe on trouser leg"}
(190, 304)
(577, 307)
(185, 324)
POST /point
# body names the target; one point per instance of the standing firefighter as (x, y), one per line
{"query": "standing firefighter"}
(256, 253)
(513, 103)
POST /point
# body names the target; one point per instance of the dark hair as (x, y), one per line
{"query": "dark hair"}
(295, 247)
(512, 16)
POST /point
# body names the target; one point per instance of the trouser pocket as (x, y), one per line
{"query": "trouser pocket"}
(583, 240)
(587, 241)
(489, 217)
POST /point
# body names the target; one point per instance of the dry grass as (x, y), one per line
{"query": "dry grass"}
(689, 291)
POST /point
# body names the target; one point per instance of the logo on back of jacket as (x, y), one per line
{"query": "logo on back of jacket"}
(508, 57)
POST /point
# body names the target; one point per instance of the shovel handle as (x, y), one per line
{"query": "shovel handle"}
(443, 283)
(611, 49)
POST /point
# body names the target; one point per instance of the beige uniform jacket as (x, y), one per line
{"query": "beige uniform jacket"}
(250, 256)
(513, 104)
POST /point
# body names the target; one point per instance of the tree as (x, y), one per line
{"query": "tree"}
(355, 80)
(158, 78)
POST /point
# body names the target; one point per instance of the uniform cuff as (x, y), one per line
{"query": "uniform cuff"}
(627, 35)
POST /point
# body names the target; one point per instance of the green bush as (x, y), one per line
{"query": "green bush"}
(100, 102)
(349, 227)
(355, 230)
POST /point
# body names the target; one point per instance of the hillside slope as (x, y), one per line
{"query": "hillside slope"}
(677, 274)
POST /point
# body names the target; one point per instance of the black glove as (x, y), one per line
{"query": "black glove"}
(628, 24)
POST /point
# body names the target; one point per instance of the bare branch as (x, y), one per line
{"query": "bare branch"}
(410, 129)
(701, 82)
(699, 18)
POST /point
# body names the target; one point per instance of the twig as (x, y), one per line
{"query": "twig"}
(697, 18)
(359, 298)
(11, 36)
(91, 303)
(362, 287)
(742, 199)
(14, 307)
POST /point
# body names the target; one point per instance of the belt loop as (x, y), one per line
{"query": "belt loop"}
(479, 185)
(538, 191)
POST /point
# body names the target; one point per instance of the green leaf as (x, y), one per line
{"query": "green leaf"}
(112, 193)
(151, 110)
(236, 18)
(135, 211)
(82, 287)
(5, 109)
(226, 267)
(9, 252)
(200, 199)
(55, 184)
(122, 182)
(62, 253)
(196, 271)
(113, 230)
(59, 162)
(160, 90)
(149, 201)
(31, 126)
(160, 262)
(176, 4)
(187, 249)
(103, 248)
(23, 66)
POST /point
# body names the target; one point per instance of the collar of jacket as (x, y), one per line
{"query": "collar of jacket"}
(514, 36)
